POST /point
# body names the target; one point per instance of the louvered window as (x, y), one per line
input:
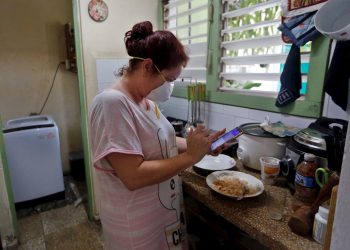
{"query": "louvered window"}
(188, 20)
(253, 53)
(236, 48)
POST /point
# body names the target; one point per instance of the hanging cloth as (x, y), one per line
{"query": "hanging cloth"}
(290, 79)
(338, 74)
(299, 30)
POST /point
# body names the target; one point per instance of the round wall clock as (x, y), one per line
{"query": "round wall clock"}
(98, 10)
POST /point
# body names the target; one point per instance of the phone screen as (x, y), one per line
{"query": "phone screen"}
(226, 137)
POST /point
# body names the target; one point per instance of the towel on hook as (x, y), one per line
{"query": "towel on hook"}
(290, 79)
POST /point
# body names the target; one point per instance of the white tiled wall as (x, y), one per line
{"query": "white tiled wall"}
(219, 116)
(106, 69)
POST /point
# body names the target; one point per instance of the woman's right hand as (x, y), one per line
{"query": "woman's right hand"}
(199, 141)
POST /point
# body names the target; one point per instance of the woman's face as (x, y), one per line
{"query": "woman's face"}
(164, 84)
(169, 75)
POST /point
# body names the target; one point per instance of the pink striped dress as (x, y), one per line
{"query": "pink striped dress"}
(149, 218)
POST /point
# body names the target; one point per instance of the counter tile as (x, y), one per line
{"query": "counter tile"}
(251, 214)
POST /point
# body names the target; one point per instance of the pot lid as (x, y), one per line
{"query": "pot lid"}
(311, 138)
(255, 130)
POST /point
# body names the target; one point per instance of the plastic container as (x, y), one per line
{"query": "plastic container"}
(333, 19)
(320, 225)
(270, 168)
(306, 188)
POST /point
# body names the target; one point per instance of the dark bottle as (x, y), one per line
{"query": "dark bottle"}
(306, 188)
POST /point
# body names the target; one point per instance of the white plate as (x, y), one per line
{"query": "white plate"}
(215, 163)
(251, 180)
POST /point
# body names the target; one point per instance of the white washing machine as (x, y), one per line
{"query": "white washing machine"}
(33, 154)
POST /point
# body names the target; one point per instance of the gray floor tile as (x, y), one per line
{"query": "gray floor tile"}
(30, 228)
(77, 237)
(57, 219)
(33, 244)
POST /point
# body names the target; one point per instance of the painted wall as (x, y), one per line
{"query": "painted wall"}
(32, 45)
(106, 39)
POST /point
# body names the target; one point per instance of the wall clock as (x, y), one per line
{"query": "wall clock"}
(98, 10)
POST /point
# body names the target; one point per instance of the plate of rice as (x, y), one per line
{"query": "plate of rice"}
(235, 184)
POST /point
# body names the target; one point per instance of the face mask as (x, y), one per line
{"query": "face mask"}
(162, 93)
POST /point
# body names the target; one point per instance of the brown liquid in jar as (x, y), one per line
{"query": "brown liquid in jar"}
(306, 189)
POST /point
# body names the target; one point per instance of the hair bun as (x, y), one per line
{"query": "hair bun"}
(141, 30)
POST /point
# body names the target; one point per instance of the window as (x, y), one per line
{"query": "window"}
(246, 55)
(188, 20)
(253, 53)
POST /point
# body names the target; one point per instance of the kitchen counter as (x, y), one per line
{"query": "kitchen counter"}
(250, 215)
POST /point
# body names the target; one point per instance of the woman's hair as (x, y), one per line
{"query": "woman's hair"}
(161, 46)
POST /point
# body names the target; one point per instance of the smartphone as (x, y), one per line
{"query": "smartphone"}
(234, 133)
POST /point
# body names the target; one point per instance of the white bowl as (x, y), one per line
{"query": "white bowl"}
(333, 19)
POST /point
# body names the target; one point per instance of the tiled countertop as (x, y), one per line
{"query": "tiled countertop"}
(250, 215)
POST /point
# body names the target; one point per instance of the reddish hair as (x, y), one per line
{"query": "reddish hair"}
(161, 46)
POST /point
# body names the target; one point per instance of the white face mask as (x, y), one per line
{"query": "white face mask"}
(162, 93)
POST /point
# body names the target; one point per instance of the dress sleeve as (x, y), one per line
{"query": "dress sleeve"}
(112, 126)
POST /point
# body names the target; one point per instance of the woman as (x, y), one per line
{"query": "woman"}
(135, 152)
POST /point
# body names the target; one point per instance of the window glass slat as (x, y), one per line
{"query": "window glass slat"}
(186, 13)
(251, 26)
(255, 77)
(250, 9)
(261, 59)
(253, 43)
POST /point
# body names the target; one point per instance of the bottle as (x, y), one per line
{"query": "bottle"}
(306, 188)
(320, 225)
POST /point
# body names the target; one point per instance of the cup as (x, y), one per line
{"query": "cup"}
(322, 175)
(275, 204)
(270, 168)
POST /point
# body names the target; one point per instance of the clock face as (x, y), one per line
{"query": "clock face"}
(98, 10)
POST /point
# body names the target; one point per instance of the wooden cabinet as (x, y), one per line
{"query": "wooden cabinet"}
(207, 230)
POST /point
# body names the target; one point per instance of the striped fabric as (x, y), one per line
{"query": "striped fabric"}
(147, 218)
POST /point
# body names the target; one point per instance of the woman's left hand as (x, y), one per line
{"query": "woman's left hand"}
(221, 148)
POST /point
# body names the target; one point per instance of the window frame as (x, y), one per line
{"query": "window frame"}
(308, 106)
(196, 71)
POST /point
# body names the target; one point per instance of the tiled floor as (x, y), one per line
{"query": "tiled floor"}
(64, 228)
(58, 224)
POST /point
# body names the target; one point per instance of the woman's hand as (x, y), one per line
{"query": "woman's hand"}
(199, 141)
(221, 148)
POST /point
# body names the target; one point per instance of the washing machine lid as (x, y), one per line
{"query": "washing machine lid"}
(29, 122)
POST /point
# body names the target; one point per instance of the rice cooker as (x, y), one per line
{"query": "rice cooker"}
(256, 142)
(326, 142)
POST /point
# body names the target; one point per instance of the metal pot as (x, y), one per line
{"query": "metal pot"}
(325, 138)
(256, 142)
(305, 141)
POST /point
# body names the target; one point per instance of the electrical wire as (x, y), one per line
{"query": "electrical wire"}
(52, 84)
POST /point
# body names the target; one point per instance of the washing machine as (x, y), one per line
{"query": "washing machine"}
(33, 155)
